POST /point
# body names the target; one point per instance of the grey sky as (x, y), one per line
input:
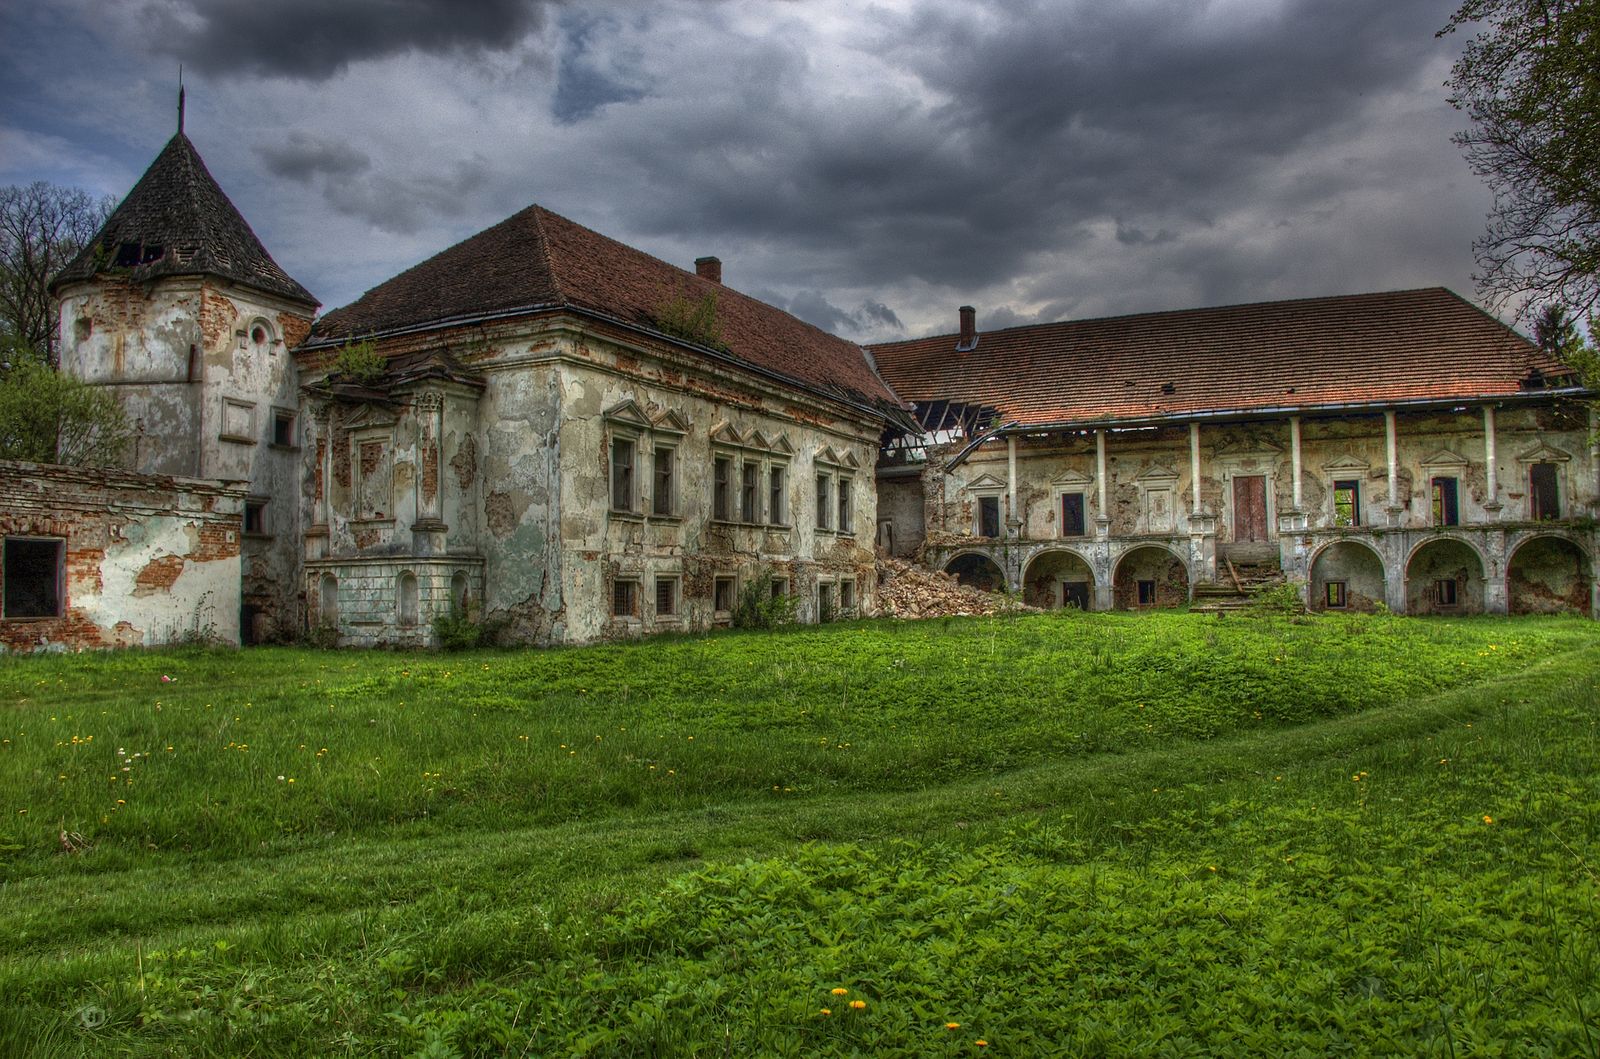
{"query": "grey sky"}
(869, 166)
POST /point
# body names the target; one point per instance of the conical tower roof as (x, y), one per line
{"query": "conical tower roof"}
(177, 222)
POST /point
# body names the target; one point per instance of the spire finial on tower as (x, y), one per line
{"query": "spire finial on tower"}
(180, 99)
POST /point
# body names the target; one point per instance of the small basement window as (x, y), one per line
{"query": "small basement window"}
(1337, 595)
(34, 576)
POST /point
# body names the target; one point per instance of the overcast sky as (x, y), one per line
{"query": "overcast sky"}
(868, 165)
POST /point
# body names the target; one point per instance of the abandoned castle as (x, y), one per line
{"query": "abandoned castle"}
(557, 432)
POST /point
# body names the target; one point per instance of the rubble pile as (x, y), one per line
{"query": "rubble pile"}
(909, 591)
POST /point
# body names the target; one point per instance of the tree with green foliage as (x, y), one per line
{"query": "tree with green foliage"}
(48, 417)
(1529, 81)
(42, 228)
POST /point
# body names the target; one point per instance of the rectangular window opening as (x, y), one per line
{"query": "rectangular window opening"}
(1444, 592)
(777, 510)
(847, 599)
(666, 597)
(846, 513)
(824, 500)
(988, 516)
(255, 517)
(723, 593)
(826, 608)
(750, 476)
(663, 499)
(622, 452)
(624, 599)
(722, 489)
(1445, 510)
(779, 587)
(1543, 492)
(35, 572)
(1337, 595)
(1147, 593)
(1072, 522)
(283, 429)
(1347, 503)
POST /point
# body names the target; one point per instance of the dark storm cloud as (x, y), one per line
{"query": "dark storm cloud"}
(1041, 125)
(585, 79)
(406, 206)
(302, 157)
(316, 39)
(870, 320)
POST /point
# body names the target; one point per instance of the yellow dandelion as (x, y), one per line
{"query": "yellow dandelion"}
(840, 990)
(981, 1043)
(952, 1025)
(825, 1011)
(858, 1004)
(1488, 819)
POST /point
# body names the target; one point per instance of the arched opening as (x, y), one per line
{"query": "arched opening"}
(1444, 577)
(328, 601)
(1548, 575)
(458, 592)
(1058, 579)
(406, 597)
(1347, 576)
(977, 571)
(1150, 577)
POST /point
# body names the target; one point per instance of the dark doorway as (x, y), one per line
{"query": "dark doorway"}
(1075, 594)
(1250, 507)
(1546, 498)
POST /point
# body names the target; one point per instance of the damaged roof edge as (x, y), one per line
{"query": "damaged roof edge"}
(877, 412)
(1350, 408)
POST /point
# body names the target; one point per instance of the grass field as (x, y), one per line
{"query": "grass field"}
(1055, 834)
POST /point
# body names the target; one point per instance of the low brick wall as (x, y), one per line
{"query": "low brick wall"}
(142, 559)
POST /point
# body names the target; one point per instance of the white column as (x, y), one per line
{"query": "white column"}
(1491, 483)
(1100, 470)
(1194, 462)
(1294, 457)
(1392, 442)
(1011, 477)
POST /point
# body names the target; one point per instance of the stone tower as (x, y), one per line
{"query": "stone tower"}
(177, 306)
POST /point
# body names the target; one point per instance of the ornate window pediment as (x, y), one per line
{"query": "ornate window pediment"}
(986, 483)
(1545, 454)
(630, 413)
(1070, 480)
(1346, 466)
(1445, 458)
(725, 434)
(1156, 475)
(670, 422)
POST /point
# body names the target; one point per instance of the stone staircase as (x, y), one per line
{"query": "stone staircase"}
(1236, 586)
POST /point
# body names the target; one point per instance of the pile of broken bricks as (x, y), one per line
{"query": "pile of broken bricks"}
(909, 591)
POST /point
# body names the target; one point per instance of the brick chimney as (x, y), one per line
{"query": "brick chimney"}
(968, 341)
(708, 268)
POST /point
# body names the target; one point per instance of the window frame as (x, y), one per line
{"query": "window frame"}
(846, 520)
(722, 498)
(1536, 511)
(659, 507)
(732, 583)
(1438, 592)
(59, 589)
(1353, 487)
(630, 586)
(983, 500)
(1146, 598)
(281, 416)
(750, 491)
(1083, 513)
(627, 441)
(824, 501)
(1444, 500)
(263, 526)
(778, 493)
(1336, 595)
(847, 598)
(672, 583)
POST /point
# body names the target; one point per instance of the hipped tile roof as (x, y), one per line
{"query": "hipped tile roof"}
(178, 217)
(1413, 345)
(537, 260)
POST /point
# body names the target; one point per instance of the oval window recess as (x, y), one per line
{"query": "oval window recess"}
(259, 334)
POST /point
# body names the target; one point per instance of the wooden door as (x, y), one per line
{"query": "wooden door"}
(1250, 507)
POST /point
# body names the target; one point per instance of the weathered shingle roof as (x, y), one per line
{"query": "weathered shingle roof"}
(1355, 349)
(177, 222)
(539, 260)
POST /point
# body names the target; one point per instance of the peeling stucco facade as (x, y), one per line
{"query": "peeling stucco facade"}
(1165, 504)
(139, 560)
(503, 485)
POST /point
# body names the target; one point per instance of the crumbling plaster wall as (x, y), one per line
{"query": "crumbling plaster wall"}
(149, 559)
(702, 409)
(201, 366)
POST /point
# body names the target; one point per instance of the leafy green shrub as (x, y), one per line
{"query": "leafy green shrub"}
(1283, 599)
(465, 630)
(360, 362)
(48, 417)
(759, 609)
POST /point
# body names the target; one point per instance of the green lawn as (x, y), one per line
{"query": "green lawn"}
(1142, 835)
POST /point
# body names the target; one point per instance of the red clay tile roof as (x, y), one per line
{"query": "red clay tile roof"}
(1397, 346)
(539, 260)
(177, 222)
